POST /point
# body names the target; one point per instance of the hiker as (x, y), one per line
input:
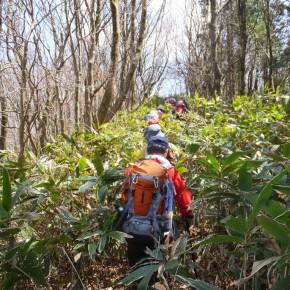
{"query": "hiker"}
(185, 103)
(145, 201)
(160, 111)
(152, 130)
(152, 117)
(170, 100)
(179, 110)
(155, 130)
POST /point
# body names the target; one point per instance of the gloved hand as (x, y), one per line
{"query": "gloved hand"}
(189, 221)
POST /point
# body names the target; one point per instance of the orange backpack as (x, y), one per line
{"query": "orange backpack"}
(148, 192)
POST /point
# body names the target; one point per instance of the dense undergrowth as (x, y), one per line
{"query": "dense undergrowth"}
(57, 212)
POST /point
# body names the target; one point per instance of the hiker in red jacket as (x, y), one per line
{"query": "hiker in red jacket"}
(157, 151)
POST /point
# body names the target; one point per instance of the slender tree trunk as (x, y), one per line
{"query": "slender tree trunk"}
(76, 64)
(242, 45)
(216, 75)
(135, 58)
(4, 118)
(268, 24)
(23, 108)
(110, 86)
(3, 101)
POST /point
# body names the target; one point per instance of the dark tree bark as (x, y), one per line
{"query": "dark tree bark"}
(215, 86)
(242, 14)
(135, 55)
(110, 86)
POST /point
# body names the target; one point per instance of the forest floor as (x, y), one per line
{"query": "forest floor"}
(104, 274)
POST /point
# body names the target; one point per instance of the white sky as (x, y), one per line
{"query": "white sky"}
(175, 10)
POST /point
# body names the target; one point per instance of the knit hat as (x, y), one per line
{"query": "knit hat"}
(162, 140)
(152, 130)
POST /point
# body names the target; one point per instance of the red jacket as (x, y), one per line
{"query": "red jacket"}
(183, 196)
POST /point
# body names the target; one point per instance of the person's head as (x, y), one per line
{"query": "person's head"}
(152, 117)
(158, 145)
(160, 111)
(152, 130)
(171, 101)
(179, 106)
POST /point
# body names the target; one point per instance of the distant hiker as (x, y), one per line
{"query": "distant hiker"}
(185, 103)
(151, 186)
(161, 111)
(179, 110)
(152, 117)
(152, 130)
(171, 101)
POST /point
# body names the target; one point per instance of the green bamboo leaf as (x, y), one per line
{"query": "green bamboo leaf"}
(7, 193)
(179, 246)
(186, 278)
(88, 185)
(213, 161)
(54, 196)
(233, 157)
(233, 167)
(68, 139)
(182, 170)
(8, 232)
(119, 236)
(172, 264)
(92, 248)
(274, 209)
(282, 189)
(66, 214)
(33, 268)
(257, 266)
(139, 273)
(82, 164)
(88, 235)
(193, 147)
(286, 149)
(197, 284)
(102, 243)
(21, 189)
(237, 224)
(263, 196)
(102, 193)
(279, 231)
(98, 163)
(219, 239)
(245, 179)
(282, 284)
(3, 212)
(143, 284)
(204, 162)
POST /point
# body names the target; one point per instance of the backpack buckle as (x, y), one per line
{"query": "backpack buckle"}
(155, 181)
(135, 178)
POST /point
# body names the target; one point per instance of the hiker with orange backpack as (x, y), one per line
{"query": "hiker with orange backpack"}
(151, 187)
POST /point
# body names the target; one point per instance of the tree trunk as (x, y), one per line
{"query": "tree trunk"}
(110, 86)
(268, 24)
(4, 119)
(216, 75)
(135, 58)
(242, 45)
